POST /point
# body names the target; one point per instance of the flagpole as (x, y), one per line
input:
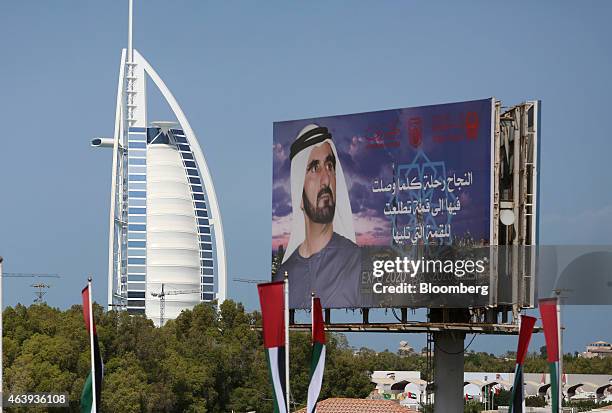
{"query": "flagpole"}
(559, 334)
(91, 346)
(312, 320)
(287, 341)
(312, 329)
(522, 383)
(1, 335)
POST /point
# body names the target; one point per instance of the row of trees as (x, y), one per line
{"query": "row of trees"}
(537, 363)
(207, 360)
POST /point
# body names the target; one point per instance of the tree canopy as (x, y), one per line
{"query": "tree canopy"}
(208, 359)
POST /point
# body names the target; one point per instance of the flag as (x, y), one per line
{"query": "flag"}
(272, 300)
(317, 361)
(412, 395)
(517, 402)
(89, 403)
(548, 312)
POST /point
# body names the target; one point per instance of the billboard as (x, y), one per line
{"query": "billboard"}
(370, 209)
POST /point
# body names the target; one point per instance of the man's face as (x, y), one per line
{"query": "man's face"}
(319, 195)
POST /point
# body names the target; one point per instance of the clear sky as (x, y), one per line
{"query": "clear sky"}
(235, 67)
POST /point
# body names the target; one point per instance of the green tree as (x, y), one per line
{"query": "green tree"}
(125, 385)
(208, 359)
(535, 401)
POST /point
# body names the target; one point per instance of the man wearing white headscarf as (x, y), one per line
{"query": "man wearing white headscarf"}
(321, 256)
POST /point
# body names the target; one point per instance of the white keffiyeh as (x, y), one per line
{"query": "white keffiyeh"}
(343, 216)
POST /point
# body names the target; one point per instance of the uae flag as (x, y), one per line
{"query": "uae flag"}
(93, 384)
(317, 361)
(272, 300)
(517, 402)
(548, 312)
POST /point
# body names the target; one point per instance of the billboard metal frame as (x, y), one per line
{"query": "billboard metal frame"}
(515, 131)
(418, 327)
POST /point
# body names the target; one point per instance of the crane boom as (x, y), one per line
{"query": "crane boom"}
(162, 299)
(249, 281)
(182, 292)
(29, 275)
(39, 287)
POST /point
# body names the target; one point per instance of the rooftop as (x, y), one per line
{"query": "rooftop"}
(342, 405)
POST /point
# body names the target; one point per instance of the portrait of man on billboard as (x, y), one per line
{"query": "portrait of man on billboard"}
(321, 256)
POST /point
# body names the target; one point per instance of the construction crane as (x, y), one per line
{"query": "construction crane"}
(40, 292)
(29, 275)
(122, 301)
(249, 281)
(162, 300)
(39, 287)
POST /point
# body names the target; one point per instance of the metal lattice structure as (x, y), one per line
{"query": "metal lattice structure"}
(162, 300)
(40, 288)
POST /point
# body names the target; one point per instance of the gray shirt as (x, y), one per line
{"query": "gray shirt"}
(333, 274)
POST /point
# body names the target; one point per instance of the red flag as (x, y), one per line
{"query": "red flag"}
(318, 327)
(548, 311)
(86, 307)
(272, 300)
(527, 324)
(317, 358)
(92, 391)
(516, 403)
(550, 322)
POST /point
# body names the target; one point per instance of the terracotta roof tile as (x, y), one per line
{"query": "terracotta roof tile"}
(342, 405)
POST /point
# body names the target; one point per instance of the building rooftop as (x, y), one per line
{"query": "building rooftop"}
(603, 409)
(343, 405)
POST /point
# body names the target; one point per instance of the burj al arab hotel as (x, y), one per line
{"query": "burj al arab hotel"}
(166, 235)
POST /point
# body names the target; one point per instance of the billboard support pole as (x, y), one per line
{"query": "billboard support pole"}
(448, 352)
(365, 312)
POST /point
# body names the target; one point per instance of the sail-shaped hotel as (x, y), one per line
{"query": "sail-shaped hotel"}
(165, 225)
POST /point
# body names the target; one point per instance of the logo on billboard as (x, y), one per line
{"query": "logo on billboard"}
(471, 125)
(415, 131)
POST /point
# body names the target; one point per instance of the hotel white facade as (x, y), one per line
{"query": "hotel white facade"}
(165, 225)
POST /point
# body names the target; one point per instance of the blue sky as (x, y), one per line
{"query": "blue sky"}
(235, 67)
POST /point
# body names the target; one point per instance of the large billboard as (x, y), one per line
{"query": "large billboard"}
(366, 207)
